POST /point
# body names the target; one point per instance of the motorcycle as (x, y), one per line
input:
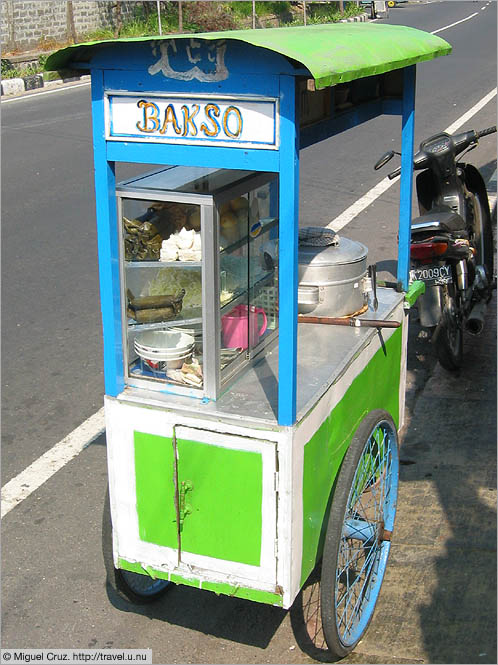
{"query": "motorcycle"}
(451, 241)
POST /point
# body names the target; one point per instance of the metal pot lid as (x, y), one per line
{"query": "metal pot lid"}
(345, 252)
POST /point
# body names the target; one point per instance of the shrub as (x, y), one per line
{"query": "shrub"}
(207, 16)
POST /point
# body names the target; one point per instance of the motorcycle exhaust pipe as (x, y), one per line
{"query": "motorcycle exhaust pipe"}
(475, 320)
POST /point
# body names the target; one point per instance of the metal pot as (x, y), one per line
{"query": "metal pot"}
(332, 278)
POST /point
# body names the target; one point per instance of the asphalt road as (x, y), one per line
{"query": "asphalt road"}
(53, 591)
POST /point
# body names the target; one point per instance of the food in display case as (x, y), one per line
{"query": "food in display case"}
(182, 246)
(171, 278)
(144, 235)
(150, 309)
(173, 284)
(142, 240)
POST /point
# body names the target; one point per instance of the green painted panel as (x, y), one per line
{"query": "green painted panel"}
(217, 587)
(377, 387)
(416, 289)
(155, 489)
(243, 592)
(224, 503)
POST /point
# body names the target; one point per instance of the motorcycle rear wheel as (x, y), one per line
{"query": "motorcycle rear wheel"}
(449, 337)
(483, 232)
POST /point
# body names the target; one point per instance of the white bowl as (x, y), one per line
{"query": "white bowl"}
(165, 355)
(193, 330)
(173, 363)
(164, 341)
(162, 356)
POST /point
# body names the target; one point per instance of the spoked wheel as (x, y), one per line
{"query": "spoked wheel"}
(139, 589)
(358, 536)
(449, 336)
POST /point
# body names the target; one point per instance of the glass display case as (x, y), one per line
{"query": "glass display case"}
(199, 275)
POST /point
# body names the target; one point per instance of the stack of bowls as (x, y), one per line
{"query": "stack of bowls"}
(193, 329)
(164, 349)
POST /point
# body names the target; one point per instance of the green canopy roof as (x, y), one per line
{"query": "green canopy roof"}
(333, 53)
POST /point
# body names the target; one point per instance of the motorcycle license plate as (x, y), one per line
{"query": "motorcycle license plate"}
(432, 274)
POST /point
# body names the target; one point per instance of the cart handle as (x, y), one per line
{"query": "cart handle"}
(348, 321)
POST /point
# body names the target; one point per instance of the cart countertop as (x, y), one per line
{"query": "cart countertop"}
(332, 53)
(256, 391)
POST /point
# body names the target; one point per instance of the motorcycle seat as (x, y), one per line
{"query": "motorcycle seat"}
(439, 221)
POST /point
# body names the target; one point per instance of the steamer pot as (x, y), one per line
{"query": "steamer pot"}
(332, 279)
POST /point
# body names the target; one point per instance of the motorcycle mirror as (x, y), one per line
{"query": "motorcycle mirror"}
(386, 157)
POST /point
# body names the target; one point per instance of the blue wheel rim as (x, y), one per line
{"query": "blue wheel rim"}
(365, 538)
(143, 585)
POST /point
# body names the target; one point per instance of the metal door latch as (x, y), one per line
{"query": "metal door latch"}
(184, 507)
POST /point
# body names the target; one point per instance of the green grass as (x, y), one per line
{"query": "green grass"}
(329, 13)
(238, 13)
(10, 71)
(243, 9)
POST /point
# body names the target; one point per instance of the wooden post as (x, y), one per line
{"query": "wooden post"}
(253, 14)
(119, 19)
(71, 31)
(180, 16)
(159, 16)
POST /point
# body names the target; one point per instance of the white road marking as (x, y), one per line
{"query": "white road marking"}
(37, 473)
(42, 469)
(456, 23)
(358, 206)
(471, 112)
(44, 92)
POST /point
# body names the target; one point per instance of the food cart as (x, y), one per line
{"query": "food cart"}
(244, 447)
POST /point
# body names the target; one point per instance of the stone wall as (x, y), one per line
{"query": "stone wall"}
(29, 25)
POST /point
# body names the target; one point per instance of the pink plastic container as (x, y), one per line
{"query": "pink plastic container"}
(240, 326)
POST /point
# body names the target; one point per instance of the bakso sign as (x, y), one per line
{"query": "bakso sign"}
(224, 121)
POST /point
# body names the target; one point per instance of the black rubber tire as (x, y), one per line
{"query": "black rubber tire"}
(449, 340)
(330, 561)
(482, 222)
(449, 348)
(485, 253)
(121, 581)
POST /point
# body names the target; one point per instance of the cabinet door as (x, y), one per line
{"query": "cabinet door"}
(217, 504)
(155, 489)
(221, 501)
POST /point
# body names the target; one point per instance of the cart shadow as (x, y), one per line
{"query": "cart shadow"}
(268, 382)
(306, 620)
(389, 266)
(450, 490)
(232, 619)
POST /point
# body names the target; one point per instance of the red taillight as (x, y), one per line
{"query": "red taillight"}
(427, 250)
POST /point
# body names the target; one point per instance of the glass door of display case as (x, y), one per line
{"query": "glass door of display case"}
(199, 276)
(162, 277)
(250, 320)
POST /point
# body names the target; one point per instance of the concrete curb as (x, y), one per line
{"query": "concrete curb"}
(355, 19)
(17, 86)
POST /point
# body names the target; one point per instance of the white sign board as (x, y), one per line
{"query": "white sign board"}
(193, 120)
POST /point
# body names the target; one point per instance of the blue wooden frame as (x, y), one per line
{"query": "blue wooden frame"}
(275, 77)
(406, 184)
